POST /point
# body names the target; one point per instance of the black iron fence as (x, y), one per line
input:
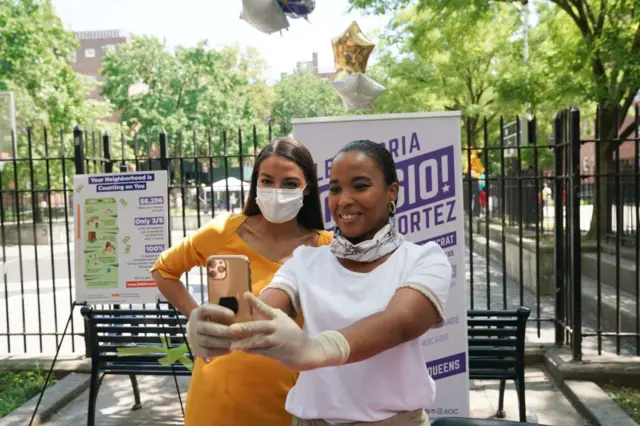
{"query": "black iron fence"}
(560, 239)
(36, 216)
(537, 234)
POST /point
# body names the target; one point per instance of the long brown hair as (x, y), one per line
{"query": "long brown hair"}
(310, 215)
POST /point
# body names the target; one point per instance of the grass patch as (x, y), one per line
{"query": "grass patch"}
(627, 398)
(18, 387)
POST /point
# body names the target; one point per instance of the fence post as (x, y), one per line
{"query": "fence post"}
(164, 160)
(467, 151)
(164, 165)
(241, 164)
(558, 252)
(106, 149)
(575, 232)
(78, 153)
(108, 168)
(78, 160)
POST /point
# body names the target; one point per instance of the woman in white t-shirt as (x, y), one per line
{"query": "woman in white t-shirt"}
(367, 298)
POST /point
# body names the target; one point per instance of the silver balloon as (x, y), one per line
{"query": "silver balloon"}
(358, 91)
(264, 15)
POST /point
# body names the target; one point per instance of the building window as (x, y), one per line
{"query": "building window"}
(109, 48)
(74, 57)
(90, 53)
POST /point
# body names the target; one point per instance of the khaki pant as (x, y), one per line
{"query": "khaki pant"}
(408, 418)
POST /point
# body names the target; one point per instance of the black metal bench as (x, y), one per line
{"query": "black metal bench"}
(496, 350)
(113, 333)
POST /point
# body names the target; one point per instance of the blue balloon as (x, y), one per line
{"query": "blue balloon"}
(297, 8)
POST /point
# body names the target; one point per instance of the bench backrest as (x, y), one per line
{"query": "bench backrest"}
(112, 333)
(497, 342)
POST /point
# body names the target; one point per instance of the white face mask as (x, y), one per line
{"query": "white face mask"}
(279, 205)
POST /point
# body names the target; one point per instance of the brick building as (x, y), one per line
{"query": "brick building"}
(626, 150)
(94, 46)
(312, 66)
(87, 59)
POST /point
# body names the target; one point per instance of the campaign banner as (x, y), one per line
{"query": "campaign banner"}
(427, 151)
(121, 226)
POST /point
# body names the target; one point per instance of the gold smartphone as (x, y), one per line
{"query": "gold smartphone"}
(228, 278)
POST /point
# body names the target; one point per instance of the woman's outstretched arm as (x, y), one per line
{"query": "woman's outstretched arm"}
(416, 306)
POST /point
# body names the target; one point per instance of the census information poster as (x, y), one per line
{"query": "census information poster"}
(121, 226)
(427, 151)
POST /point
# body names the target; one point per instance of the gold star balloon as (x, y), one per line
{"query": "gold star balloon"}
(351, 50)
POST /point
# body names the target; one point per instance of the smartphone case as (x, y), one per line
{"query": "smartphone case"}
(228, 278)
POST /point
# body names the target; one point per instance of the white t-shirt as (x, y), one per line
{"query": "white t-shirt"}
(332, 298)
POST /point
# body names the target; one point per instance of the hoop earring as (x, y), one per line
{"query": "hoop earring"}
(392, 207)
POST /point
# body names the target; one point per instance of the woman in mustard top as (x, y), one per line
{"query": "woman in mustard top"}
(282, 212)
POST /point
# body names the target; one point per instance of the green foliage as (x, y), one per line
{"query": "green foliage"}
(582, 50)
(18, 387)
(627, 398)
(192, 89)
(432, 60)
(35, 63)
(302, 95)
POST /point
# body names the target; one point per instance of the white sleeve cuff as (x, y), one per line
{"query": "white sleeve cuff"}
(289, 290)
(429, 294)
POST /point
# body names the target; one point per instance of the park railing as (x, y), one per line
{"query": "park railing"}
(548, 224)
(556, 229)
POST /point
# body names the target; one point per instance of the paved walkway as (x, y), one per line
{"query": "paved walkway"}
(501, 290)
(160, 404)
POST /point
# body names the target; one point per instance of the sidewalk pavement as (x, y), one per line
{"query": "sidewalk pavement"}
(160, 405)
(506, 293)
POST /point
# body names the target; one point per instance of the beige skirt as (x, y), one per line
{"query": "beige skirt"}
(408, 418)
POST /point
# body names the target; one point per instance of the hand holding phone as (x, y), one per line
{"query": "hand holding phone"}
(228, 278)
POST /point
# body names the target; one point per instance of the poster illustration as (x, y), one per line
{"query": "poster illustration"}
(427, 151)
(121, 226)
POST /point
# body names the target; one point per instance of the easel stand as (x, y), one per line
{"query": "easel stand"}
(55, 358)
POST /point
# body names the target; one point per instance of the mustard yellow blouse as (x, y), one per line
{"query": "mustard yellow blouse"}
(237, 389)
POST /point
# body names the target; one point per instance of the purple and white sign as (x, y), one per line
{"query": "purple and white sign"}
(448, 366)
(428, 155)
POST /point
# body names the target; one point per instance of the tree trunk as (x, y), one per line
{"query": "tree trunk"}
(475, 131)
(601, 220)
(36, 209)
(38, 216)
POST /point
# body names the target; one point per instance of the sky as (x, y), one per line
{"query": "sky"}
(186, 22)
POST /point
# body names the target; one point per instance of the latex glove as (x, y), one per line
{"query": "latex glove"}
(280, 338)
(208, 332)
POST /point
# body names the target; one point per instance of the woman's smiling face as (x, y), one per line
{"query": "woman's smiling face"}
(359, 196)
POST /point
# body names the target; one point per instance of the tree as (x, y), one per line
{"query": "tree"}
(192, 89)
(604, 36)
(35, 64)
(301, 95)
(433, 61)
